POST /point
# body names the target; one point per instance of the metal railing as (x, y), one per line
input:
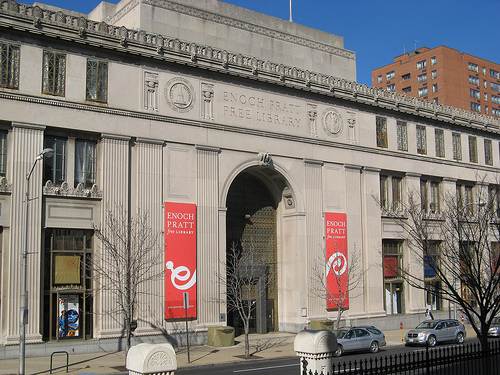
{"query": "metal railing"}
(467, 359)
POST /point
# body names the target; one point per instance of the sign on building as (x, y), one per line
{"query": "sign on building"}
(180, 259)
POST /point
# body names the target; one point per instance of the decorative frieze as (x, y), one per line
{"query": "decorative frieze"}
(173, 49)
(66, 191)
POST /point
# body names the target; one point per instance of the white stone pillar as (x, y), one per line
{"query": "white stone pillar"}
(207, 213)
(27, 143)
(316, 350)
(115, 194)
(147, 199)
(154, 359)
(314, 230)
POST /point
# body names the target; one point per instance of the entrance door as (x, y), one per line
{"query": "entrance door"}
(251, 226)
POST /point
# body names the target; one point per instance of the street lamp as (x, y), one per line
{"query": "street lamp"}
(23, 312)
(479, 204)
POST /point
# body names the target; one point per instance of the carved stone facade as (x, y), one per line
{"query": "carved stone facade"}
(185, 124)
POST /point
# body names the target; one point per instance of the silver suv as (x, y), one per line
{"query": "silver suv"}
(430, 332)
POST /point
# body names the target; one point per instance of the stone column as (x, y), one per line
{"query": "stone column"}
(147, 199)
(207, 211)
(115, 196)
(27, 143)
(415, 298)
(314, 230)
(371, 244)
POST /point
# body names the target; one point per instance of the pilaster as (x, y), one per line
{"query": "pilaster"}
(314, 229)
(27, 144)
(115, 198)
(207, 236)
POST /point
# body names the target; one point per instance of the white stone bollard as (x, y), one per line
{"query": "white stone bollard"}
(155, 359)
(316, 350)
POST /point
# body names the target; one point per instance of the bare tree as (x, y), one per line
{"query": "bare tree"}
(459, 244)
(130, 257)
(245, 282)
(348, 283)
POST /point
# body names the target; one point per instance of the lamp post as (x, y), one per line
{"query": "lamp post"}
(479, 204)
(23, 313)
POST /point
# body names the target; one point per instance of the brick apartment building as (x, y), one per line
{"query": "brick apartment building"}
(446, 76)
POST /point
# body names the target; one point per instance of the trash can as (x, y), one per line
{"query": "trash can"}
(220, 336)
(318, 325)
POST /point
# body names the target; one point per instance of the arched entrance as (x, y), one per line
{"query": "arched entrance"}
(251, 228)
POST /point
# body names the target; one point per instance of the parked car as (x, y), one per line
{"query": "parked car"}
(494, 330)
(358, 339)
(430, 332)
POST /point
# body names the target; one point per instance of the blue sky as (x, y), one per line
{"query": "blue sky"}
(379, 30)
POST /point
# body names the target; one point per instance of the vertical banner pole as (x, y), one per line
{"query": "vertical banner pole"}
(186, 305)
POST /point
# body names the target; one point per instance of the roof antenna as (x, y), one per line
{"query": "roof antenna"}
(404, 48)
(291, 11)
(415, 41)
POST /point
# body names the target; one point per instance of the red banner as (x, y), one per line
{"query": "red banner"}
(336, 261)
(180, 259)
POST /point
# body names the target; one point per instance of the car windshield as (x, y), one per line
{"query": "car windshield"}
(339, 333)
(496, 320)
(427, 325)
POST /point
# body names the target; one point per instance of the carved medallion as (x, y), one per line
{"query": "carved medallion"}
(332, 122)
(179, 95)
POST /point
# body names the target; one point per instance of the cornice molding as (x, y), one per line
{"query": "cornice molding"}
(36, 20)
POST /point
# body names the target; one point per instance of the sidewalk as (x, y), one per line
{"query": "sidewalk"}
(271, 345)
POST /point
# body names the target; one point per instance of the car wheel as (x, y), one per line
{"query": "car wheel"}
(460, 338)
(431, 341)
(339, 351)
(374, 347)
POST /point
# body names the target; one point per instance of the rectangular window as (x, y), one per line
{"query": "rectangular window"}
(434, 74)
(421, 140)
(472, 149)
(3, 153)
(484, 70)
(457, 146)
(495, 112)
(476, 107)
(384, 193)
(475, 94)
(97, 81)
(397, 194)
(486, 96)
(406, 76)
(391, 87)
(486, 109)
(85, 163)
(54, 168)
(389, 76)
(488, 152)
(473, 67)
(495, 99)
(421, 64)
(435, 87)
(423, 91)
(434, 204)
(494, 74)
(54, 73)
(495, 86)
(402, 131)
(485, 84)
(474, 80)
(379, 79)
(423, 195)
(407, 89)
(422, 78)
(433, 60)
(393, 284)
(9, 68)
(439, 135)
(436, 100)
(381, 132)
